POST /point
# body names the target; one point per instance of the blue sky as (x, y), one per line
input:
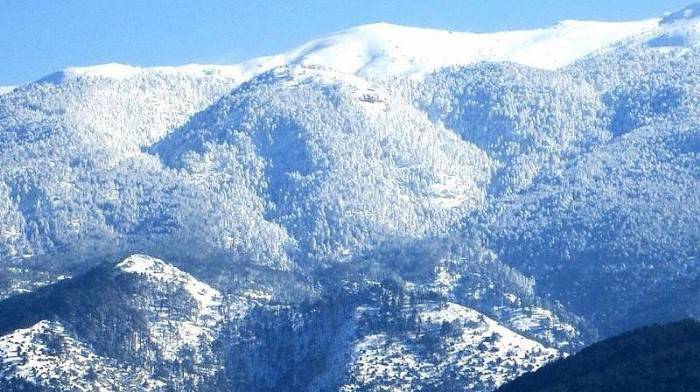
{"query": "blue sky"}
(38, 37)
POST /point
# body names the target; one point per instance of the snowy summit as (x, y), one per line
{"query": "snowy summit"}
(383, 50)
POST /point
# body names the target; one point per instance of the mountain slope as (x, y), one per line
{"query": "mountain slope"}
(74, 176)
(45, 355)
(657, 358)
(142, 324)
(341, 216)
(622, 210)
(108, 113)
(530, 121)
(130, 324)
(460, 349)
(328, 151)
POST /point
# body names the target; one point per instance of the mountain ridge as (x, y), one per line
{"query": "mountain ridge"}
(367, 50)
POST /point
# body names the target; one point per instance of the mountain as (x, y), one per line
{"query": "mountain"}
(656, 358)
(121, 324)
(382, 50)
(385, 50)
(410, 216)
(326, 152)
(112, 107)
(44, 355)
(64, 140)
(142, 324)
(620, 212)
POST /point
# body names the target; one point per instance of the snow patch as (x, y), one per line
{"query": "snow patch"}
(45, 353)
(450, 192)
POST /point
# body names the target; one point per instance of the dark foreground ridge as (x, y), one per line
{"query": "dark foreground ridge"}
(656, 358)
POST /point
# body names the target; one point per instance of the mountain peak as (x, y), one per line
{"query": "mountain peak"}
(141, 264)
(157, 271)
(388, 50)
(109, 70)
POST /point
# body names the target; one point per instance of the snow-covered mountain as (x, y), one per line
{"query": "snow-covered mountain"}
(327, 152)
(386, 207)
(382, 50)
(469, 351)
(45, 355)
(385, 50)
(126, 325)
(112, 108)
(154, 327)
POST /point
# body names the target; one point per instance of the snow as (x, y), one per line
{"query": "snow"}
(141, 264)
(208, 298)
(174, 334)
(454, 312)
(505, 344)
(157, 270)
(391, 150)
(386, 50)
(382, 50)
(6, 89)
(124, 71)
(360, 88)
(540, 323)
(451, 192)
(445, 279)
(485, 353)
(377, 356)
(257, 295)
(45, 353)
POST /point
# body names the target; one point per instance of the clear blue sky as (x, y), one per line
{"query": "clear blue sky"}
(41, 36)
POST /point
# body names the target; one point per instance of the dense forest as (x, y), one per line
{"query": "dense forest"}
(660, 358)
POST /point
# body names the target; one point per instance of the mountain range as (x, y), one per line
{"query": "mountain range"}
(385, 208)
